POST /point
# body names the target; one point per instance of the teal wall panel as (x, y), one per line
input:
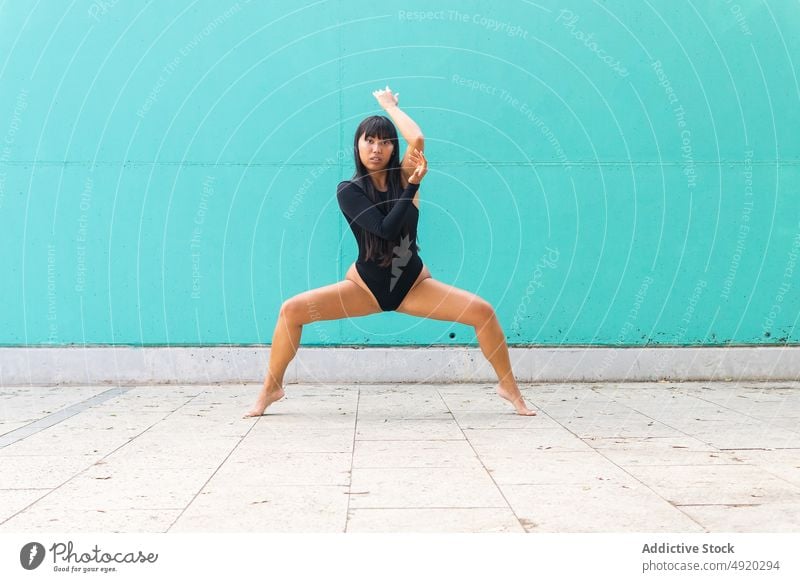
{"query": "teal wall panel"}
(604, 173)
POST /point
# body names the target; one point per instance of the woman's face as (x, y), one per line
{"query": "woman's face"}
(374, 152)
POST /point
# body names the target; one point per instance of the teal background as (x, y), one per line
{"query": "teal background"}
(168, 169)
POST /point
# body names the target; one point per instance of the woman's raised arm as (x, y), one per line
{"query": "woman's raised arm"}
(405, 125)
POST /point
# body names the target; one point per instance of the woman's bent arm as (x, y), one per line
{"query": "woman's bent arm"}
(359, 209)
(407, 127)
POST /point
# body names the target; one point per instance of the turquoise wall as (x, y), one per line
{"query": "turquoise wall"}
(606, 173)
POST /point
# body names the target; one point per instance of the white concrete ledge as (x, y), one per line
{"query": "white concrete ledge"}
(193, 365)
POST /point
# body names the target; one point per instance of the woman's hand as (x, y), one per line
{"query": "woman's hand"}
(418, 159)
(386, 98)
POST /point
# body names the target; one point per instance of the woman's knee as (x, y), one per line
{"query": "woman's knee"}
(294, 310)
(481, 312)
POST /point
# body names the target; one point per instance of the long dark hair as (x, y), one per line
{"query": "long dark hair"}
(379, 126)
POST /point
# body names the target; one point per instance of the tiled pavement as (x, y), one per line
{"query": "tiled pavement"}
(643, 457)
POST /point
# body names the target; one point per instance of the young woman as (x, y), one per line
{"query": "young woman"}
(381, 205)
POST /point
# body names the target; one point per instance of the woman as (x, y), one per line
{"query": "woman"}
(381, 205)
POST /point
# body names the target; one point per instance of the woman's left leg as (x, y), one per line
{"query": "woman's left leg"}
(436, 300)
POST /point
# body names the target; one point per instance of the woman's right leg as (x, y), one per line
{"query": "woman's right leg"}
(337, 301)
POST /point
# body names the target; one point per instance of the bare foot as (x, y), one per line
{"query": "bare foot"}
(510, 391)
(267, 396)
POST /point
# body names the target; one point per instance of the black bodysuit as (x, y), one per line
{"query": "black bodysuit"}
(388, 284)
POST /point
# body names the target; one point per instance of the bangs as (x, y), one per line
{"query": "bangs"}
(379, 127)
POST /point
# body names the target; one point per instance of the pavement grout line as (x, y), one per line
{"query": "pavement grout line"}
(352, 457)
(393, 467)
(203, 486)
(744, 413)
(54, 418)
(97, 461)
(448, 507)
(480, 460)
(718, 504)
(116, 509)
(762, 449)
(621, 468)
